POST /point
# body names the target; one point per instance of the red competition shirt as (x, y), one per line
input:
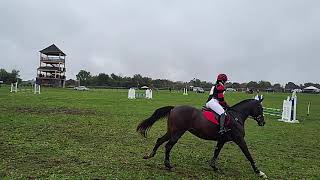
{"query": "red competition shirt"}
(218, 94)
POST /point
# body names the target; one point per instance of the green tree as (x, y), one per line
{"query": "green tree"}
(84, 77)
(103, 79)
(290, 86)
(147, 81)
(252, 85)
(8, 78)
(228, 85)
(236, 85)
(137, 79)
(277, 87)
(262, 85)
(197, 82)
(4, 75)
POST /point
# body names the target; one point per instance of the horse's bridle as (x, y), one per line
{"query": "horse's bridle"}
(258, 119)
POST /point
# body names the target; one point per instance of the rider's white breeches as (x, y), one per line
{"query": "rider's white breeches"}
(214, 105)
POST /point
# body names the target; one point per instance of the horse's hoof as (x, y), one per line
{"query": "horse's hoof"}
(215, 169)
(213, 165)
(262, 175)
(168, 166)
(146, 157)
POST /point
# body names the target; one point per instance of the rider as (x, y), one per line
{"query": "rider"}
(216, 100)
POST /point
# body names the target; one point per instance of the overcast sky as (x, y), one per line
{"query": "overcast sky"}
(273, 40)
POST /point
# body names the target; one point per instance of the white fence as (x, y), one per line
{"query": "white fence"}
(36, 89)
(132, 94)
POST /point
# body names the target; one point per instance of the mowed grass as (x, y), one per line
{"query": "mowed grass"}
(66, 134)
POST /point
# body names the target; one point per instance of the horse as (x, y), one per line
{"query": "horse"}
(186, 118)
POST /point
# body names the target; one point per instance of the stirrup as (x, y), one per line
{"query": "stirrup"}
(222, 131)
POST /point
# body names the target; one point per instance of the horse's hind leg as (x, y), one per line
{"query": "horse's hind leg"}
(160, 141)
(173, 140)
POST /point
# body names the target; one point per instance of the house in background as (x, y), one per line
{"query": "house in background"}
(311, 89)
(52, 68)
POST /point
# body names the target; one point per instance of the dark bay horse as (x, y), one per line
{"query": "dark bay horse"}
(187, 118)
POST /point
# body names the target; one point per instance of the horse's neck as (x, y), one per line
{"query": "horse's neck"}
(242, 113)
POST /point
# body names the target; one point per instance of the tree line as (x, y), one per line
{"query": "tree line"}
(9, 77)
(137, 80)
(113, 80)
(104, 80)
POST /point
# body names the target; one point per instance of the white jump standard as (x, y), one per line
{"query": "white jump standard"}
(37, 89)
(149, 94)
(14, 87)
(185, 91)
(132, 93)
(288, 113)
(289, 109)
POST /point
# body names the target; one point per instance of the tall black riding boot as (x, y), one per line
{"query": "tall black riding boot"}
(221, 124)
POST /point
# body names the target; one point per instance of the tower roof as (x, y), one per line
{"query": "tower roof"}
(52, 50)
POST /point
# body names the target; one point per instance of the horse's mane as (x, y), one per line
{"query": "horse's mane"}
(243, 102)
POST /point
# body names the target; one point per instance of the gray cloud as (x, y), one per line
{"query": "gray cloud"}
(272, 40)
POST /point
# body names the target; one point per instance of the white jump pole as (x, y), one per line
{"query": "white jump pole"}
(308, 109)
(294, 99)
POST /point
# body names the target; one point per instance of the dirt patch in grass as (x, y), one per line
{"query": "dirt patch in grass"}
(56, 110)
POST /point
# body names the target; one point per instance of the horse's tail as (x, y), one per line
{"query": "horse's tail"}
(160, 113)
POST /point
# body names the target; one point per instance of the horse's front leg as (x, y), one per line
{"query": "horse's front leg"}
(243, 146)
(214, 159)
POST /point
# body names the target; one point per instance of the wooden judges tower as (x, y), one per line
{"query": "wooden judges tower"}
(52, 69)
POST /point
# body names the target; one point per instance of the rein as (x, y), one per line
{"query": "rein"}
(237, 119)
(257, 118)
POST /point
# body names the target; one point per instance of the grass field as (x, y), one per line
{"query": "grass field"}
(66, 134)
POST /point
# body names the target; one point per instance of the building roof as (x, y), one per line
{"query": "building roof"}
(52, 50)
(311, 88)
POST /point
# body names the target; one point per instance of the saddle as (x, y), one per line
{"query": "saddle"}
(213, 117)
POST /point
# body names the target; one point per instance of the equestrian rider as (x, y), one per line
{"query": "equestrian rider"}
(216, 100)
